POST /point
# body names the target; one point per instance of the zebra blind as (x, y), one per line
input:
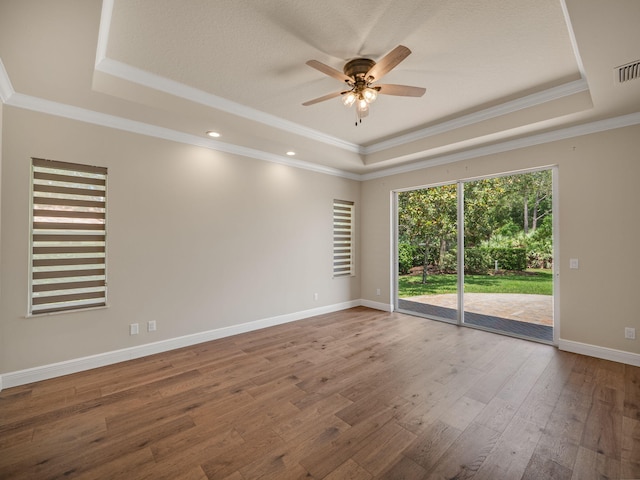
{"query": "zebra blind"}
(68, 237)
(343, 216)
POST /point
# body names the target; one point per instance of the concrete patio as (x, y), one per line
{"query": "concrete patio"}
(524, 315)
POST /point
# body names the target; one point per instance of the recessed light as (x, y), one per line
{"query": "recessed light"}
(291, 153)
(213, 134)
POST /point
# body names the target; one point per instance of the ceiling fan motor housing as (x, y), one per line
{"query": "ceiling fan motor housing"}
(358, 67)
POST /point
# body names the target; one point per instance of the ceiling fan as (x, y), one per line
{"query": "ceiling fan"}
(360, 75)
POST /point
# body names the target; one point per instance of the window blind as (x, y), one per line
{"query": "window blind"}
(68, 236)
(343, 216)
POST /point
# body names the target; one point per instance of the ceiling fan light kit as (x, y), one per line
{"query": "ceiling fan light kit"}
(359, 75)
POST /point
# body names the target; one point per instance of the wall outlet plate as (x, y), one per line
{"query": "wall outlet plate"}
(151, 326)
(134, 329)
(630, 333)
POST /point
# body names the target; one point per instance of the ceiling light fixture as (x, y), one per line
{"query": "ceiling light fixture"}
(361, 95)
(213, 134)
(360, 75)
(291, 153)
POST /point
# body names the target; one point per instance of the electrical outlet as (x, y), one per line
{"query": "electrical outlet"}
(134, 329)
(315, 296)
(377, 291)
(574, 263)
(151, 326)
(630, 333)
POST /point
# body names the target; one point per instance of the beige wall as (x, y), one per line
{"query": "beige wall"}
(598, 224)
(197, 240)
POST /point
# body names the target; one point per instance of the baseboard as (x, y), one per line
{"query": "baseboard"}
(44, 372)
(605, 353)
(376, 305)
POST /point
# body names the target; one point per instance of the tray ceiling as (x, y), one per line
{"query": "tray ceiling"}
(493, 71)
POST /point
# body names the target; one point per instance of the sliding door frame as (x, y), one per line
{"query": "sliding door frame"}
(460, 239)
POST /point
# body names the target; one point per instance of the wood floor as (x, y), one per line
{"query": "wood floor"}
(358, 394)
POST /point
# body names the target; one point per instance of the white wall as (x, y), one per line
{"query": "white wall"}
(197, 240)
(598, 222)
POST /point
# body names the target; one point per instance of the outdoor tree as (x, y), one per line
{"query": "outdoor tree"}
(500, 212)
(428, 218)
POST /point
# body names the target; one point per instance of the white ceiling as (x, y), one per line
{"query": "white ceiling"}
(494, 70)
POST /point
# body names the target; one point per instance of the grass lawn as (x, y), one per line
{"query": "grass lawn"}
(538, 282)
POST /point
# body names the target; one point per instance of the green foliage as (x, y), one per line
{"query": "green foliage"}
(449, 262)
(514, 258)
(540, 245)
(482, 259)
(476, 260)
(508, 230)
(408, 257)
(428, 218)
(510, 212)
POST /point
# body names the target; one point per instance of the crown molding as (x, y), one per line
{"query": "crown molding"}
(180, 90)
(111, 121)
(10, 97)
(103, 30)
(89, 116)
(529, 101)
(509, 145)
(177, 89)
(163, 84)
(572, 38)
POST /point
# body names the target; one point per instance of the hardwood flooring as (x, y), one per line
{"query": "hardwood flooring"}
(358, 394)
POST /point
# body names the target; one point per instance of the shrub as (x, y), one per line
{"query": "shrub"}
(514, 258)
(481, 259)
(408, 256)
(477, 260)
(450, 262)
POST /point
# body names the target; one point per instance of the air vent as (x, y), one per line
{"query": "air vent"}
(630, 71)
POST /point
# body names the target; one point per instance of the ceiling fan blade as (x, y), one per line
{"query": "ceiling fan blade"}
(401, 90)
(327, 70)
(322, 99)
(388, 62)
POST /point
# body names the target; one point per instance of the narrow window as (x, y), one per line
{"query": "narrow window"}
(343, 216)
(68, 237)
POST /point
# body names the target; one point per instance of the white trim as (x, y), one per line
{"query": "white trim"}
(555, 240)
(177, 89)
(572, 38)
(103, 30)
(529, 101)
(171, 87)
(44, 372)
(509, 145)
(385, 307)
(596, 351)
(156, 82)
(6, 89)
(133, 126)
(163, 84)
(89, 116)
(9, 97)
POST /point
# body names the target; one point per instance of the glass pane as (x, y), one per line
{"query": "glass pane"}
(427, 252)
(508, 257)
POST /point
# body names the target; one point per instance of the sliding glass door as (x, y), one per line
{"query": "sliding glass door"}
(427, 252)
(501, 277)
